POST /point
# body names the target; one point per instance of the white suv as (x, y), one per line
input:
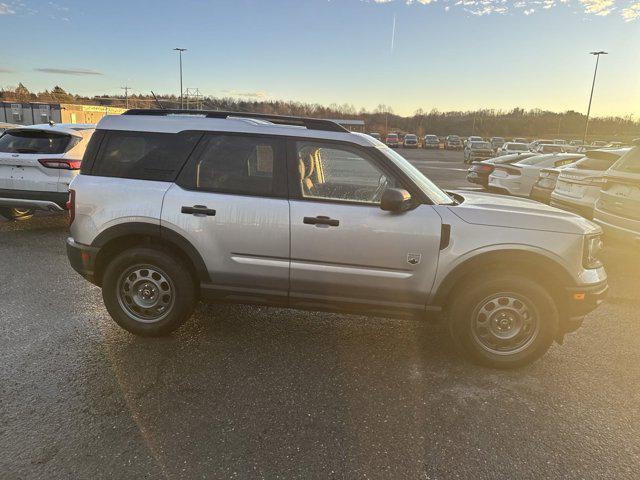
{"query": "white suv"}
(172, 207)
(37, 163)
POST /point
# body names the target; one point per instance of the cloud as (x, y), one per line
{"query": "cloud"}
(6, 9)
(600, 8)
(6, 70)
(68, 71)
(631, 13)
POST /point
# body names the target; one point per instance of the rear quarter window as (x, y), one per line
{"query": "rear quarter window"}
(629, 162)
(142, 155)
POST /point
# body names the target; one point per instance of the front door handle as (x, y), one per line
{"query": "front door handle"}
(199, 210)
(321, 220)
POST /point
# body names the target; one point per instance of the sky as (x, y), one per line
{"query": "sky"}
(407, 54)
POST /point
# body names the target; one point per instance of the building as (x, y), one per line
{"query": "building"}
(33, 113)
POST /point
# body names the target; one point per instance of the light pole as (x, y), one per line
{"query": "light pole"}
(586, 126)
(180, 50)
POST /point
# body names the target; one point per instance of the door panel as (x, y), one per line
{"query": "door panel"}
(372, 256)
(245, 245)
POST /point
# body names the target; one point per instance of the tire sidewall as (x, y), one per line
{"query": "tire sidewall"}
(183, 283)
(470, 296)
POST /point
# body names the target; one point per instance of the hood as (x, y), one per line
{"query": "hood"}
(512, 212)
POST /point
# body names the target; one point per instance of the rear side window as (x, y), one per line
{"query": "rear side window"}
(238, 164)
(36, 141)
(144, 155)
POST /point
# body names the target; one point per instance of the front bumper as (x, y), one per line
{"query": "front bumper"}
(585, 299)
(82, 259)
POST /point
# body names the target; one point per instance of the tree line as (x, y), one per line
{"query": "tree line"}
(516, 122)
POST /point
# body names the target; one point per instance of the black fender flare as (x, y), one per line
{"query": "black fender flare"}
(155, 231)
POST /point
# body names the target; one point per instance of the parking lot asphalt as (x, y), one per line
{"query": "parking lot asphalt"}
(252, 392)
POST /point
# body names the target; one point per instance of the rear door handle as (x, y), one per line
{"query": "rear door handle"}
(321, 220)
(199, 210)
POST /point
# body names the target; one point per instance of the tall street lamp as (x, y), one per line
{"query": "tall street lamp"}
(180, 50)
(586, 126)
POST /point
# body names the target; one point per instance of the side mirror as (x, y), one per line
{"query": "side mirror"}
(395, 200)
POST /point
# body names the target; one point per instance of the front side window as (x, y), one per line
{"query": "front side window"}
(144, 155)
(239, 165)
(334, 172)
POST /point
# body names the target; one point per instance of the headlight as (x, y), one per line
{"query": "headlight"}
(592, 246)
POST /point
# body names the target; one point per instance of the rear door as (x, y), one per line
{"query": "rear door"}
(231, 203)
(24, 154)
(345, 250)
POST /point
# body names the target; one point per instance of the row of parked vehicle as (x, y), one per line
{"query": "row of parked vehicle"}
(170, 207)
(600, 184)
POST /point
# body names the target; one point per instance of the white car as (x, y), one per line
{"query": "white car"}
(512, 148)
(578, 186)
(37, 163)
(518, 179)
(298, 212)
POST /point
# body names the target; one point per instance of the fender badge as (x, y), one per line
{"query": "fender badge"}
(414, 258)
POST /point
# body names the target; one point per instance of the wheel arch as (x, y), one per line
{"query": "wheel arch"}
(549, 273)
(119, 238)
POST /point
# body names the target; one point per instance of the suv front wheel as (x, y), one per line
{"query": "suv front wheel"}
(504, 322)
(148, 292)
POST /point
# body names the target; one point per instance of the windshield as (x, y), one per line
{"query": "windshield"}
(629, 162)
(435, 194)
(431, 137)
(480, 145)
(34, 141)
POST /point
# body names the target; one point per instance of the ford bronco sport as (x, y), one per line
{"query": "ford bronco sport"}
(175, 206)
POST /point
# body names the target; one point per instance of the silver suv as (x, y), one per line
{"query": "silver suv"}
(174, 206)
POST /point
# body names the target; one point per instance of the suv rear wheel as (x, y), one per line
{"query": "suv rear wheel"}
(503, 322)
(15, 213)
(148, 292)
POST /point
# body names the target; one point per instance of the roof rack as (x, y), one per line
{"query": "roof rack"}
(309, 123)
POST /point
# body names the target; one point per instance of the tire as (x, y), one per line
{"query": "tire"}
(15, 213)
(505, 321)
(161, 291)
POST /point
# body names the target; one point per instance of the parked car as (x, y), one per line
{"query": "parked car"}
(473, 138)
(617, 209)
(578, 186)
(546, 183)
(511, 148)
(617, 145)
(37, 163)
(518, 178)
(550, 148)
(536, 143)
(375, 135)
(520, 140)
(599, 143)
(431, 141)
(576, 143)
(477, 151)
(479, 171)
(497, 142)
(453, 142)
(392, 140)
(559, 141)
(171, 208)
(410, 141)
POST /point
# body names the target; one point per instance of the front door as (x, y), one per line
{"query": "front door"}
(345, 250)
(230, 203)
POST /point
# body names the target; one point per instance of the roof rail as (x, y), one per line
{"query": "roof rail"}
(309, 123)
